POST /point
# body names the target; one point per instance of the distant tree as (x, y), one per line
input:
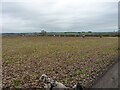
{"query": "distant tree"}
(79, 33)
(119, 28)
(100, 35)
(43, 32)
(83, 32)
(119, 32)
(65, 33)
(89, 31)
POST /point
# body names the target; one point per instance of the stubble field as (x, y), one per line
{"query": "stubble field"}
(66, 59)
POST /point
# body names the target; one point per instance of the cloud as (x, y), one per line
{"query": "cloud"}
(59, 15)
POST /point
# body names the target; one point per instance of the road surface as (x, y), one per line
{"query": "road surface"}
(109, 79)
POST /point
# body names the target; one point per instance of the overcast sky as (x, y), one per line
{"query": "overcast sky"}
(59, 16)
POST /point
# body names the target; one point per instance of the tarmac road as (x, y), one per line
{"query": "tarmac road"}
(109, 79)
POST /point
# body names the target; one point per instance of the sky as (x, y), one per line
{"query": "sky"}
(19, 16)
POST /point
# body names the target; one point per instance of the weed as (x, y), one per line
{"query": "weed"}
(66, 80)
(83, 56)
(38, 76)
(16, 82)
(7, 62)
(79, 72)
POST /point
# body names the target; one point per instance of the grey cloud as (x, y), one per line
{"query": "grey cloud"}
(55, 16)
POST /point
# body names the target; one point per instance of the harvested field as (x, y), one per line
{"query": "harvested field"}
(66, 59)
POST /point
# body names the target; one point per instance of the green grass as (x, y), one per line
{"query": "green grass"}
(7, 62)
(16, 82)
(66, 80)
(80, 72)
(84, 56)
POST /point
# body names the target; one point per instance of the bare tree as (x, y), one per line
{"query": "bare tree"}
(43, 32)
